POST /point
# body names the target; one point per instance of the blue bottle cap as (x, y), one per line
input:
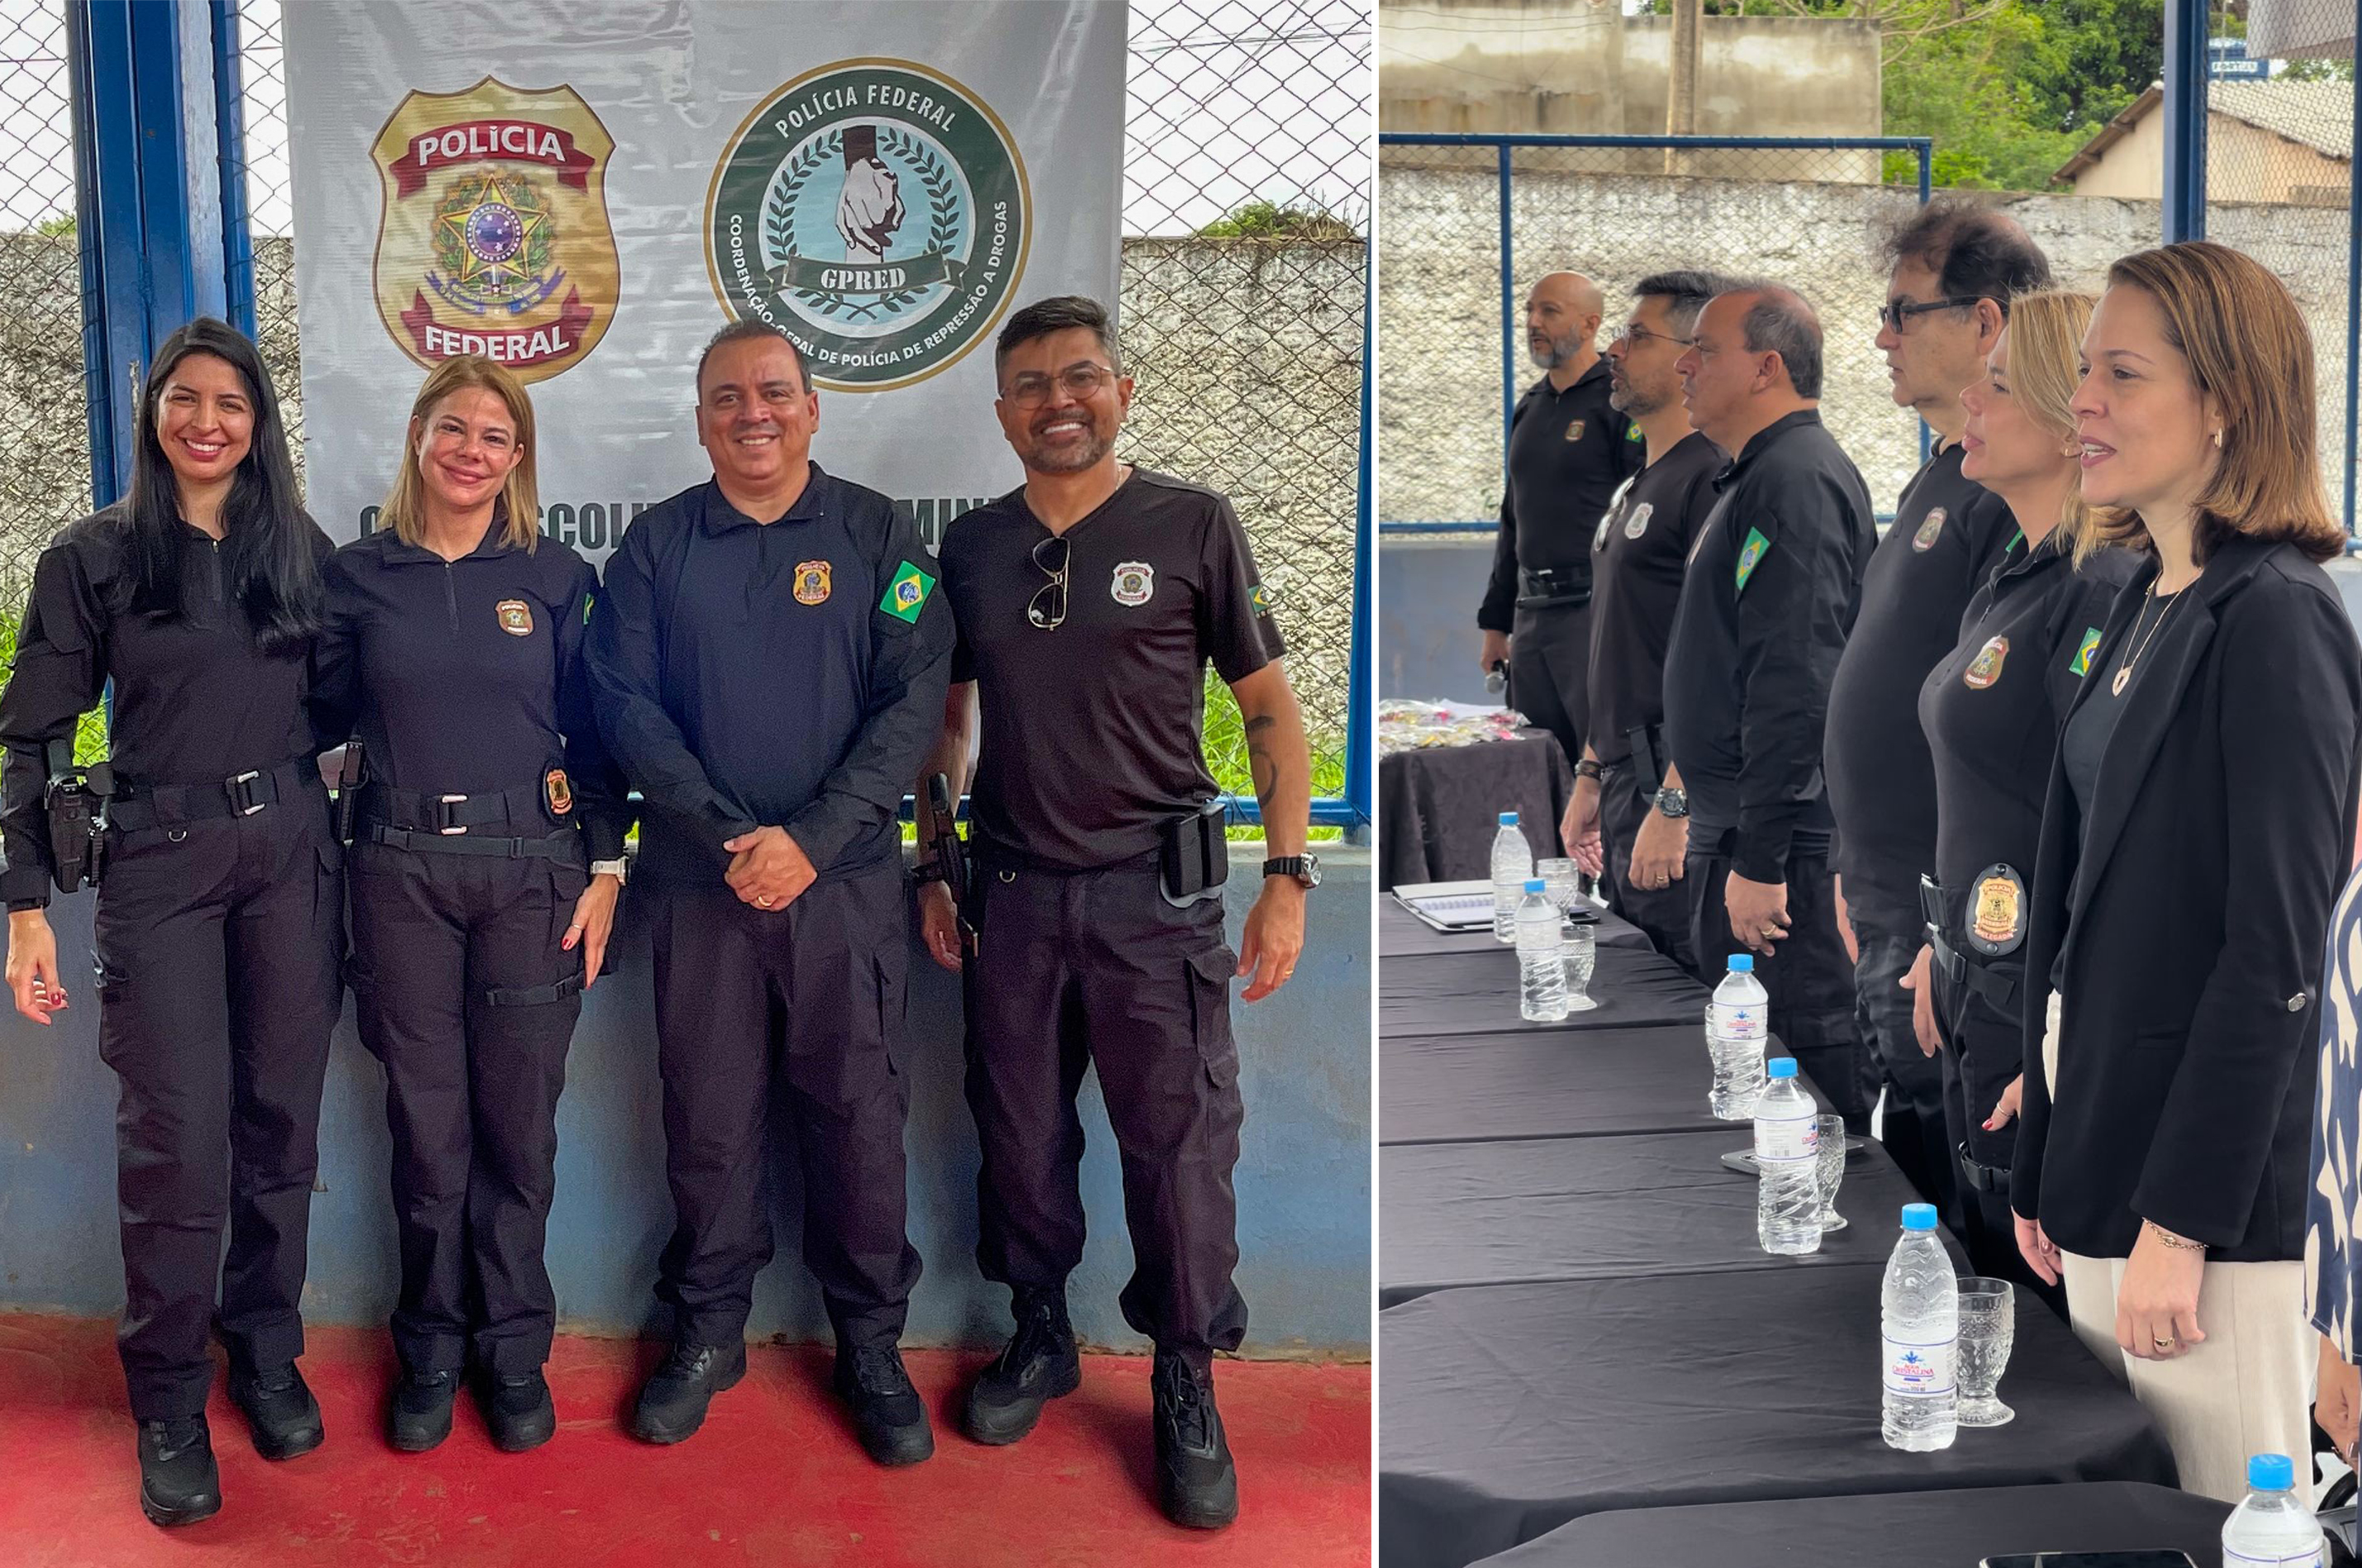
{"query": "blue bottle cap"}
(1781, 1067)
(1533, 884)
(1508, 819)
(1742, 963)
(2271, 1472)
(1918, 1216)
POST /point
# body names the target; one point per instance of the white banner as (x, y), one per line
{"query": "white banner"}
(588, 192)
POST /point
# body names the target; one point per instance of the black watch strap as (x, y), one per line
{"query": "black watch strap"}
(1296, 866)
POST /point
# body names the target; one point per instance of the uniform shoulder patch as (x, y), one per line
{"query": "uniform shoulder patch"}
(906, 593)
(1260, 598)
(2081, 665)
(1635, 435)
(1751, 555)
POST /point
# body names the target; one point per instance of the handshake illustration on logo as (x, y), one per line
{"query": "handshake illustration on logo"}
(870, 209)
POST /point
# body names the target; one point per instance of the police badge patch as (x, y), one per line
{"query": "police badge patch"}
(1637, 523)
(1135, 582)
(558, 792)
(1930, 528)
(1574, 431)
(1997, 911)
(812, 582)
(1986, 668)
(516, 617)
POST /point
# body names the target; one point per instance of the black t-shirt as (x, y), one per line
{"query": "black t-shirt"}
(1770, 596)
(467, 677)
(196, 699)
(1568, 451)
(1990, 711)
(1639, 552)
(1948, 534)
(1094, 731)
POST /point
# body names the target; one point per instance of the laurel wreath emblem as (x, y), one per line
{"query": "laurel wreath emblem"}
(943, 227)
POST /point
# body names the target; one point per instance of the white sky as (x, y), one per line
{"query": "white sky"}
(1231, 100)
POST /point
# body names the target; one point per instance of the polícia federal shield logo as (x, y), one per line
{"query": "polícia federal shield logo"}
(493, 239)
(875, 211)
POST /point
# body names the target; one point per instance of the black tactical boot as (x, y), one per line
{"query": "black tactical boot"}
(519, 1410)
(887, 1410)
(1039, 1364)
(672, 1403)
(178, 1481)
(280, 1410)
(1197, 1485)
(419, 1414)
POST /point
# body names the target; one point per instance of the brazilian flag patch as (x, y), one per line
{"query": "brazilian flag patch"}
(2082, 663)
(1636, 434)
(1751, 555)
(907, 594)
(1259, 599)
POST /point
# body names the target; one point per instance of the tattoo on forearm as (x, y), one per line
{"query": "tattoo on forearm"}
(1261, 767)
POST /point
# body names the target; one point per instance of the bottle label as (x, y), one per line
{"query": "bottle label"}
(1737, 1021)
(2309, 1558)
(1786, 1139)
(1918, 1371)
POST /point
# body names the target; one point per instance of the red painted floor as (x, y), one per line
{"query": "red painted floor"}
(775, 1477)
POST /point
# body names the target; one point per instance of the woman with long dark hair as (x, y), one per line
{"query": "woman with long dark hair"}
(2202, 801)
(485, 862)
(219, 920)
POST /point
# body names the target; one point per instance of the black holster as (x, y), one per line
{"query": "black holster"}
(951, 856)
(351, 774)
(1193, 857)
(74, 804)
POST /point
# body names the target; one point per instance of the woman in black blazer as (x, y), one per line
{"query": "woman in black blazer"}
(2197, 816)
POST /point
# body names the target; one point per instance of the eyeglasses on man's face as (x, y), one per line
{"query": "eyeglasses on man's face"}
(1080, 380)
(1633, 335)
(1048, 608)
(1895, 313)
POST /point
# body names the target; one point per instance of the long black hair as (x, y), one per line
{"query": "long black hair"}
(268, 566)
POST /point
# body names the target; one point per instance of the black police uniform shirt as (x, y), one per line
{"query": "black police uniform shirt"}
(1568, 451)
(1639, 553)
(467, 677)
(196, 699)
(787, 674)
(1773, 581)
(1948, 534)
(1991, 709)
(1094, 732)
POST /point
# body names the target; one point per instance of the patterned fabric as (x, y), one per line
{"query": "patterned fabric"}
(2334, 1214)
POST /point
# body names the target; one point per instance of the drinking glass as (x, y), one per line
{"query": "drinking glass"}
(1561, 885)
(1579, 946)
(1828, 1169)
(1988, 1324)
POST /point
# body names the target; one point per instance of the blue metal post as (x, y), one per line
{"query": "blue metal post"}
(1509, 330)
(2352, 302)
(229, 115)
(2186, 26)
(1358, 793)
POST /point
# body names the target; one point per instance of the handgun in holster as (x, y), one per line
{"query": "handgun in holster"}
(1193, 857)
(76, 804)
(951, 856)
(352, 772)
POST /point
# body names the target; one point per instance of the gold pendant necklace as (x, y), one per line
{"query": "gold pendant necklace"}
(2125, 670)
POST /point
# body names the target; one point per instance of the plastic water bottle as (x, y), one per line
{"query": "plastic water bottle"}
(1513, 865)
(2271, 1526)
(1787, 1198)
(1541, 970)
(1921, 1307)
(1735, 1035)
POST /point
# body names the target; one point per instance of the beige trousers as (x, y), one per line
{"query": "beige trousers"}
(2245, 1390)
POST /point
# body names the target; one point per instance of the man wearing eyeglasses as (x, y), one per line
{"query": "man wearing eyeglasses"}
(769, 655)
(1613, 827)
(1088, 603)
(1952, 268)
(1568, 448)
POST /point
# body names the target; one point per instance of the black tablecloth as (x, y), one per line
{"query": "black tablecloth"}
(1548, 1083)
(1440, 809)
(1472, 1214)
(1476, 993)
(1903, 1530)
(1402, 934)
(1506, 1412)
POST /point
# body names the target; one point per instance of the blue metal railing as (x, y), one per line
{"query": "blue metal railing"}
(1507, 144)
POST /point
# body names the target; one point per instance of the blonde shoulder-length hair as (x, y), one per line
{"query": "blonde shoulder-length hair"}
(2045, 349)
(404, 508)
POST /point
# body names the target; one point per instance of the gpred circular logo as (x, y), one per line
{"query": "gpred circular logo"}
(876, 212)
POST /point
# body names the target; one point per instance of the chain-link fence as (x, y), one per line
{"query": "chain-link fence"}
(1245, 218)
(2280, 174)
(1451, 313)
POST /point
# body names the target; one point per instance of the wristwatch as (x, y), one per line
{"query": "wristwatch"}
(1589, 768)
(619, 869)
(1673, 802)
(1305, 868)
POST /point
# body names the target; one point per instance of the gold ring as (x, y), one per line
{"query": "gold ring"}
(2161, 1343)
(764, 901)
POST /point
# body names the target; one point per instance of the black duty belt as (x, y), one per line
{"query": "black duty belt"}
(440, 823)
(135, 807)
(1982, 1177)
(1961, 964)
(1546, 587)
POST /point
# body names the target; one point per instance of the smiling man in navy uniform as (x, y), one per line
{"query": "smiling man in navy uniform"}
(1089, 601)
(769, 658)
